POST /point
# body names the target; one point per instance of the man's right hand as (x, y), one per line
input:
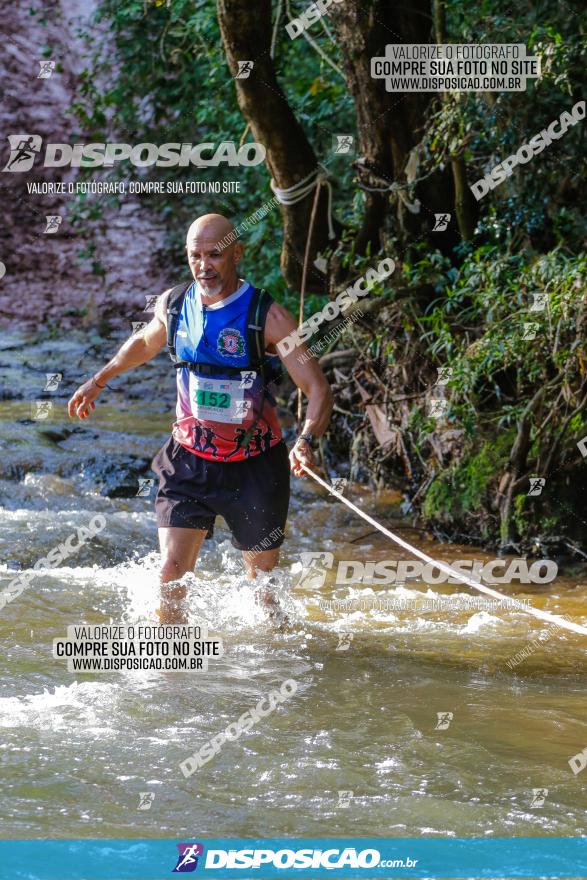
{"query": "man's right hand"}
(82, 402)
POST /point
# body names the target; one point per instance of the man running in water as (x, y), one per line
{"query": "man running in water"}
(230, 474)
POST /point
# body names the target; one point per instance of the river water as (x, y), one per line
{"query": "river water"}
(79, 749)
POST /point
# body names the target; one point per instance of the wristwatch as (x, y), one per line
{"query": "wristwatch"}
(309, 438)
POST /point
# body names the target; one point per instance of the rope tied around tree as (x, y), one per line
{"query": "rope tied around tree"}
(393, 188)
(294, 194)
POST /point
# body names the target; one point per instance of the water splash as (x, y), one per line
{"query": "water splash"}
(82, 705)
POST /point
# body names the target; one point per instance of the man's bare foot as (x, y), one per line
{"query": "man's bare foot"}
(266, 597)
(172, 608)
(172, 612)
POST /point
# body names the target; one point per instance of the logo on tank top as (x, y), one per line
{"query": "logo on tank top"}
(230, 342)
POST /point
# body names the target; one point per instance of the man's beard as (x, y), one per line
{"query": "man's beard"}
(210, 291)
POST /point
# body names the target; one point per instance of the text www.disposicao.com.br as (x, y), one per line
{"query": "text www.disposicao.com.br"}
(105, 664)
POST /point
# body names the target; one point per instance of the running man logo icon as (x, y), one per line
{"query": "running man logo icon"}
(438, 407)
(530, 331)
(444, 719)
(344, 641)
(313, 574)
(321, 264)
(150, 302)
(444, 375)
(145, 486)
(538, 302)
(137, 326)
(53, 380)
(241, 408)
(344, 798)
(41, 409)
(537, 484)
(343, 143)
(244, 69)
(146, 798)
(539, 795)
(53, 222)
(23, 149)
(339, 484)
(47, 68)
(187, 860)
(441, 222)
(582, 446)
(247, 378)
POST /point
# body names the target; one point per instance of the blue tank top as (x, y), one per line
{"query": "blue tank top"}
(215, 334)
(215, 411)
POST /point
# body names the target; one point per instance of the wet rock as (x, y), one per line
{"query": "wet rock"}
(47, 485)
(117, 478)
(10, 394)
(13, 564)
(56, 435)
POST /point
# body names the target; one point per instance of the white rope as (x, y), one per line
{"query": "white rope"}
(378, 189)
(395, 188)
(541, 615)
(304, 187)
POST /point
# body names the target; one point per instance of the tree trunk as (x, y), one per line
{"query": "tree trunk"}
(465, 206)
(246, 33)
(389, 125)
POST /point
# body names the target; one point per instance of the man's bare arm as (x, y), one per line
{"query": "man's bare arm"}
(137, 350)
(307, 375)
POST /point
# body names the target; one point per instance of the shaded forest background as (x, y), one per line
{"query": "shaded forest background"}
(163, 71)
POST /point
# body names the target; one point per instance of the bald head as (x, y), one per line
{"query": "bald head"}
(213, 255)
(209, 227)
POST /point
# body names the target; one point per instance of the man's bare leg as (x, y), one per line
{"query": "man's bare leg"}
(265, 560)
(262, 560)
(179, 552)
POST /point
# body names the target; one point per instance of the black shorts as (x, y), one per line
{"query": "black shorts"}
(252, 495)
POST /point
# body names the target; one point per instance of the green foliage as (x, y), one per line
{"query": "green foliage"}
(464, 487)
(540, 202)
(484, 324)
(520, 514)
(501, 352)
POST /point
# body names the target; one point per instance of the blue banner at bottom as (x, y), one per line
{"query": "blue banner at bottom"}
(228, 857)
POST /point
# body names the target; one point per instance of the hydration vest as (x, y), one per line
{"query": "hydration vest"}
(259, 305)
(230, 353)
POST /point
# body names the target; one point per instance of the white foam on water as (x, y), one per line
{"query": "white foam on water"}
(74, 518)
(410, 610)
(84, 705)
(482, 618)
(387, 764)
